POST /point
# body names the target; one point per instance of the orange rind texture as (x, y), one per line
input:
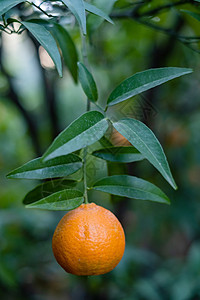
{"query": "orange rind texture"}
(88, 240)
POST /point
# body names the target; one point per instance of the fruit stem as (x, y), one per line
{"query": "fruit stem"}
(85, 176)
(85, 60)
(86, 63)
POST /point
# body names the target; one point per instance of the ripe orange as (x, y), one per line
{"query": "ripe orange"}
(88, 240)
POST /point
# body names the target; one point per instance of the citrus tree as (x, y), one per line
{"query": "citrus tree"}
(64, 167)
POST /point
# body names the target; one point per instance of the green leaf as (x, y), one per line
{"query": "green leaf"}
(78, 9)
(131, 187)
(192, 14)
(5, 5)
(119, 154)
(97, 11)
(95, 169)
(62, 200)
(67, 47)
(84, 131)
(143, 81)
(104, 142)
(57, 167)
(87, 82)
(45, 38)
(94, 21)
(47, 188)
(7, 276)
(144, 140)
(12, 20)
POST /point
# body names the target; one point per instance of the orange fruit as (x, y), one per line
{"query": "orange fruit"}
(88, 240)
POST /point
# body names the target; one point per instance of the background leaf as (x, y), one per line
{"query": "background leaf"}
(119, 154)
(144, 81)
(67, 47)
(87, 82)
(95, 169)
(45, 38)
(56, 167)
(5, 5)
(192, 14)
(47, 188)
(84, 131)
(143, 139)
(62, 200)
(131, 187)
(97, 11)
(78, 9)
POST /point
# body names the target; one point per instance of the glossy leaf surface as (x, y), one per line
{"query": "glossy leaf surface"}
(84, 131)
(45, 38)
(87, 82)
(144, 140)
(143, 81)
(47, 188)
(62, 200)
(67, 47)
(119, 154)
(94, 21)
(131, 187)
(78, 9)
(5, 5)
(56, 167)
(97, 11)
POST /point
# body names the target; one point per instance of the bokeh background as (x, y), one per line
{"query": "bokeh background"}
(162, 257)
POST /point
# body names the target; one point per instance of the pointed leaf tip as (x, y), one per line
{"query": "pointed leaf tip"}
(131, 187)
(143, 81)
(144, 140)
(192, 14)
(77, 7)
(119, 154)
(57, 167)
(97, 11)
(45, 38)
(62, 200)
(87, 82)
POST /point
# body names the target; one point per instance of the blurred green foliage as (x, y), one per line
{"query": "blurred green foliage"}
(162, 257)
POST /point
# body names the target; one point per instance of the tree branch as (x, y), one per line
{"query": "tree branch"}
(164, 7)
(141, 18)
(13, 96)
(134, 13)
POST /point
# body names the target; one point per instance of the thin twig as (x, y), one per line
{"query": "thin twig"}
(85, 60)
(42, 10)
(164, 7)
(13, 96)
(168, 31)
